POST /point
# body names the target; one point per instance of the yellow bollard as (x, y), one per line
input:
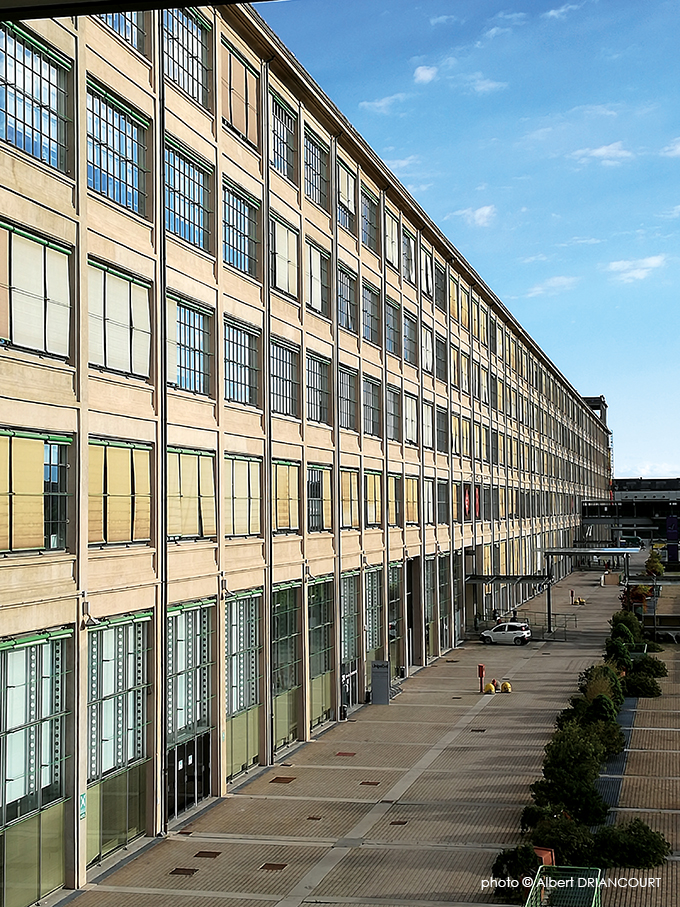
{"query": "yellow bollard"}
(489, 688)
(506, 687)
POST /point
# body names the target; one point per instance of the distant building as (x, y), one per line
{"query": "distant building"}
(259, 420)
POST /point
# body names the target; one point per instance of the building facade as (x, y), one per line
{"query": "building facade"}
(259, 420)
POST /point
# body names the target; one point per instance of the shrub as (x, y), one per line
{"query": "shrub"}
(616, 652)
(622, 632)
(571, 841)
(601, 679)
(515, 863)
(610, 736)
(601, 709)
(651, 666)
(641, 685)
(628, 619)
(653, 646)
(532, 815)
(653, 564)
(633, 845)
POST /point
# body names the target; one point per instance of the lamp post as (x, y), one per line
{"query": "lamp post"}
(548, 597)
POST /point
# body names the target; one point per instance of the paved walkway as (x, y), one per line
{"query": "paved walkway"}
(407, 805)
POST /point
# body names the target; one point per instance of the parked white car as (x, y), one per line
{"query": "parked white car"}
(517, 634)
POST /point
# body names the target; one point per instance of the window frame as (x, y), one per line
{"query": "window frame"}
(347, 192)
(348, 402)
(236, 371)
(240, 231)
(249, 486)
(317, 285)
(284, 388)
(371, 314)
(317, 180)
(370, 220)
(192, 46)
(290, 502)
(347, 301)
(284, 263)
(188, 214)
(372, 407)
(284, 151)
(320, 518)
(318, 394)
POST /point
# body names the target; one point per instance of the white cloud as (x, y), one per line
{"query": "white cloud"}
(477, 83)
(404, 163)
(425, 74)
(415, 189)
(647, 470)
(672, 150)
(553, 285)
(496, 31)
(443, 20)
(608, 155)
(562, 11)
(477, 217)
(580, 241)
(638, 269)
(383, 105)
(533, 258)
(672, 214)
(515, 18)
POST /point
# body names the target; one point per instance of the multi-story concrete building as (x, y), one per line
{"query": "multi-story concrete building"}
(259, 420)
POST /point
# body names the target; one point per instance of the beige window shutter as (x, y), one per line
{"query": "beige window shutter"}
(241, 497)
(174, 510)
(281, 253)
(28, 293)
(95, 499)
(378, 498)
(28, 484)
(58, 302)
(252, 89)
(141, 329)
(4, 493)
(255, 497)
(225, 79)
(315, 278)
(4, 284)
(172, 340)
(95, 304)
(345, 497)
(293, 487)
(282, 503)
(141, 464)
(292, 255)
(189, 494)
(229, 500)
(117, 323)
(238, 95)
(118, 494)
(355, 499)
(207, 500)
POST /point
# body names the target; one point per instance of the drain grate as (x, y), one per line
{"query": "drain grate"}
(399, 822)
(456, 697)
(183, 871)
(273, 867)
(478, 730)
(370, 783)
(185, 831)
(281, 779)
(208, 854)
(314, 818)
(345, 754)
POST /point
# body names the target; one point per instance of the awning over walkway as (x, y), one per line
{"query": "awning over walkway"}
(483, 579)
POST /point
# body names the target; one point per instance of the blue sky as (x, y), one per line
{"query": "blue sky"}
(545, 142)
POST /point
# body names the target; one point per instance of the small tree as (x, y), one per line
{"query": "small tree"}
(632, 845)
(626, 617)
(653, 564)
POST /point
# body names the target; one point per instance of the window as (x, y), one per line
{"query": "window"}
(118, 685)
(347, 301)
(33, 97)
(391, 239)
(316, 280)
(286, 649)
(465, 373)
(34, 743)
(119, 494)
(371, 314)
(239, 94)
(394, 500)
(346, 198)
(428, 420)
(464, 309)
(316, 170)
(130, 26)
(284, 260)
(349, 499)
(185, 52)
(442, 430)
(369, 220)
(318, 396)
(428, 353)
(411, 340)
(285, 383)
(411, 489)
(241, 364)
(189, 666)
(35, 309)
(453, 295)
(372, 414)
(465, 437)
(348, 399)
(243, 654)
(33, 492)
(484, 381)
(410, 419)
(426, 277)
(284, 139)
(285, 497)
(191, 494)
(239, 240)
(442, 501)
(428, 501)
(408, 254)
(455, 435)
(455, 367)
(319, 504)
(486, 452)
(440, 299)
(192, 369)
(242, 496)
(440, 358)
(373, 608)
(393, 327)
(393, 414)
(320, 603)
(477, 440)
(116, 151)
(475, 381)
(373, 498)
(187, 194)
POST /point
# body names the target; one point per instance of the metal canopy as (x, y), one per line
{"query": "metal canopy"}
(46, 9)
(482, 579)
(592, 552)
(673, 580)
